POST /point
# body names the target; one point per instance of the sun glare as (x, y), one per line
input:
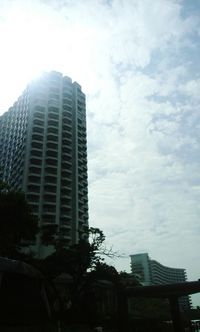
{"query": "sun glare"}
(35, 41)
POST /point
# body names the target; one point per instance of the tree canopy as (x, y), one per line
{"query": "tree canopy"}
(18, 226)
(76, 259)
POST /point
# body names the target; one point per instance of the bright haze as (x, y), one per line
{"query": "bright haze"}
(138, 63)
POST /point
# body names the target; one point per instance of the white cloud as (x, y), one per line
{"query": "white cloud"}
(150, 205)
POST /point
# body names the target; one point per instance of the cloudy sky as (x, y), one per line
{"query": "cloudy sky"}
(138, 63)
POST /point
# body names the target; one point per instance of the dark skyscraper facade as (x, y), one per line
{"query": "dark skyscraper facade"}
(43, 152)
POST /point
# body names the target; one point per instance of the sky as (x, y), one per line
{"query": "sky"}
(138, 64)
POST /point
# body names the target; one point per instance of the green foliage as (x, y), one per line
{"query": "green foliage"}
(76, 259)
(128, 279)
(18, 225)
(103, 271)
(96, 237)
(49, 234)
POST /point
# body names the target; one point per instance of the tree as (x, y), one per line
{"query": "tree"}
(78, 258)
(73, 260)
(18, 226)
(103, 271)
(85, 263)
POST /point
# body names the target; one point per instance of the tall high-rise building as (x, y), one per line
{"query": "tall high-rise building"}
(43, 152)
